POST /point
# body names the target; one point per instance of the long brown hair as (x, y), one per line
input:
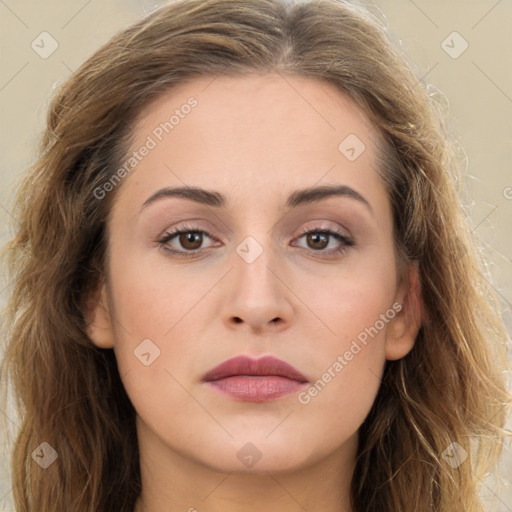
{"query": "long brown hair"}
(449, 389)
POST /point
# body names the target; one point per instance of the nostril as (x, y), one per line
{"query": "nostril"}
(238, 319)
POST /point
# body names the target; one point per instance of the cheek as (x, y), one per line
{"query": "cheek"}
(348, 298)
(146, 314)
(355, 309)
(340, 399)
(348, 372)
(347, 378)
(151, 299)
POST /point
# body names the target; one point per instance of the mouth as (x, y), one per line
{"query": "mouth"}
(255, 380)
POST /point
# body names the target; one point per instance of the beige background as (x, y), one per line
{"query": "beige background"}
(477, 86)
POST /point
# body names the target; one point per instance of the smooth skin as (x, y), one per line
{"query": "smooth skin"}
(254, 139)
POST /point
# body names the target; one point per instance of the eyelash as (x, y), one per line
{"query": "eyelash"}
(168, 236)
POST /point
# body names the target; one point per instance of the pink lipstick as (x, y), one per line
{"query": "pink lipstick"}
(255, 380)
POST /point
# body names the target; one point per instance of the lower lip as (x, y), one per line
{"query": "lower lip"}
(250, 388)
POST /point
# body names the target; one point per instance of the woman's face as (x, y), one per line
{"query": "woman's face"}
(287, 251)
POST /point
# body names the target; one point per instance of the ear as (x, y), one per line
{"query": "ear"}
(404, 327)
(99, 319)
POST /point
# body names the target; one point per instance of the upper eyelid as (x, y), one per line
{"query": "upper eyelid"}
(195, 228)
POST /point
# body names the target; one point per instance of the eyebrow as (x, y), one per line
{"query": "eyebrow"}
(296, 198)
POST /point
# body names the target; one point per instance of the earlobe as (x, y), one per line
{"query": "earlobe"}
(403, 329)
(98, 319)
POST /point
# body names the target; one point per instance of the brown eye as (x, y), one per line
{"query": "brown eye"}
(317, 240)
(187, 241)
(191, 240)
(325, 241)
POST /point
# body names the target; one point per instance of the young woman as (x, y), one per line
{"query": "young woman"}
(242, 280)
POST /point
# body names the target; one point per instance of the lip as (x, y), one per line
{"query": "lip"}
(255, 380)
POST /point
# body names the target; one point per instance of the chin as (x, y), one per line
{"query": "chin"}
(255, 454)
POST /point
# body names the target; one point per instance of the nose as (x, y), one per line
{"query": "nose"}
(259, 297)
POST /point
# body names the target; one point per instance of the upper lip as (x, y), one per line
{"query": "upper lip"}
(244, 365)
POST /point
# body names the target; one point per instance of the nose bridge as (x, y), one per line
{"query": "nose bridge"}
(254, 263)
(257, 296)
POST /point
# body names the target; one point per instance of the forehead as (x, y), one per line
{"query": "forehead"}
(258, 134)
